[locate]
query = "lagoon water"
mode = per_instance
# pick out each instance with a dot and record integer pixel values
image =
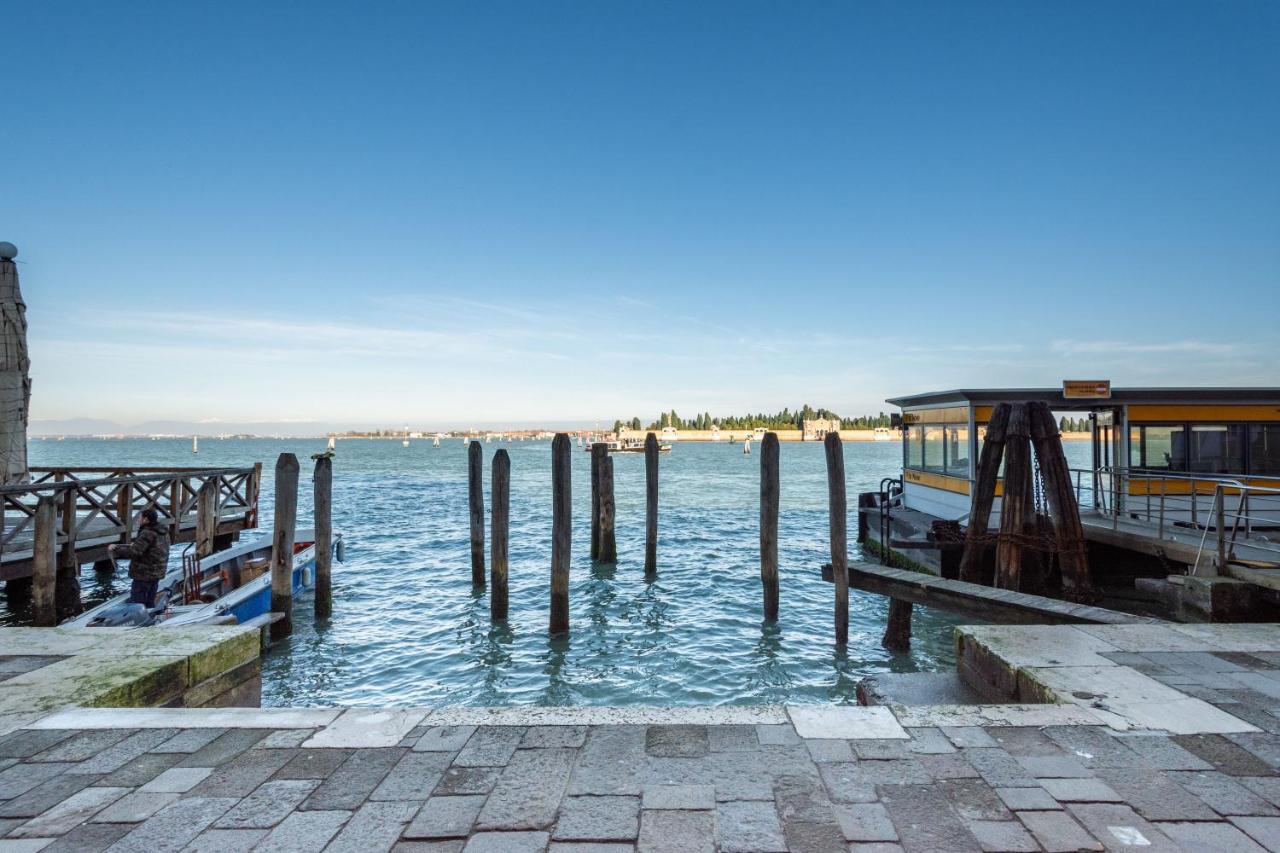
(408, 629)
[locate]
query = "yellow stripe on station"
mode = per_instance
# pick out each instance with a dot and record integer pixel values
(959, 485)
(1203, 414)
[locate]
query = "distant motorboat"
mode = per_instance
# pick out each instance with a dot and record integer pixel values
(435, 442)
(330, 445)
(883, 434)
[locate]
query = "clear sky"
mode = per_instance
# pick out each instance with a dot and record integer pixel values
(376, 213)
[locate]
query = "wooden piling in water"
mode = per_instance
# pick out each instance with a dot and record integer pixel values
(322, 481)
(206, 518)
(837, 509)
(984, 493)
(1061, 498)
(650, 505)
(769, 489)
(599, 453)
(1017, 501)
(67, 588)
(608, 514)
(286, 517)
(500, 518)
(475, 505)
(44, 565)
(897, 629)
(561, 532)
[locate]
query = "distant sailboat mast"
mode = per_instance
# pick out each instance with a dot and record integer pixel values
(195, 444)
(406, 436)
(330, 445)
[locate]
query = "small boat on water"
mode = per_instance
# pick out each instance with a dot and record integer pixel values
(195, 444)
(226, 588)
(630, 445)
(330, 446)
(883, 434)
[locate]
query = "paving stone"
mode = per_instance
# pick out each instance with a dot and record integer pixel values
(88, 838)
(1093, 747)
(285, 739)
(590, 847)
(968, 736)
(825, 751)
(351, 784)
(1119, 827)
(413, 778)
(69, 813)
(516, 804)
(490, 746)
(813, 837)
(924, 821)
(1053, 766)
(225, 747)
(1027, 799)
(1080, 790)
(141, 770)
(542, 737)
(777, 734)
(875, 847)
(45, 796)
(188, 740)
(467, 780)
(174, 826)
(452, 846)
(1220, 837)
(907, 771)
(677, 741)
(865, 822)
(177, 780)
(753, 827)
(609, 818)
(1222, 793)
(846, 783)
(679, 797)
(83, 745)
(374, 827)
(1264, 745)
(445, 817)
(999, 768)
(271, 803)
(302, 832)
(845, 721)
(1225, 756)
(313, 763)
(1002, 836)
(242, 774)
(1163, 753)
(613, 761)
(366, 728)
(1058, 832)
(134, 808)
(947, 766)
(732, 738)
(880, 748)
(803, 800)
(507, 842)
(444, 738)
(120, 754)
(973, 799)
(1156, 797)
(929, 741)
(225, 841)
(1267, 787)
(676, 832)
(20, 778)
(1264, 830)
(25, 743)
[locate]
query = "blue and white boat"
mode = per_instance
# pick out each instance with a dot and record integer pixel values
(229, 587)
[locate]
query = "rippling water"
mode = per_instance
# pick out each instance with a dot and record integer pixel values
(407, 627)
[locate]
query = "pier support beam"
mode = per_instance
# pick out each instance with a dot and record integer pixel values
(44, 565)
(206, 518)
(984, 494)
(769, 524)
(561, 532)
(475, 506)
(608, 514)
(650, 505)
(897, 629)
(500, 518)
(1063, 509)
(599, 453)
(322, 480)
(1017, 506)
(837, 508)
(67, 590)
(286, 518)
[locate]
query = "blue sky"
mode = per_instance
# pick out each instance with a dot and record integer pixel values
(379, 213)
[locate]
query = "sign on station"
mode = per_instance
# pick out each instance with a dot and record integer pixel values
(1086, 389)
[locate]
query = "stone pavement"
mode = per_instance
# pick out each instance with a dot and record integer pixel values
(799, 778)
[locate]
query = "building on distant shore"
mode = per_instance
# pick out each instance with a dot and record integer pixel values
(816, 429)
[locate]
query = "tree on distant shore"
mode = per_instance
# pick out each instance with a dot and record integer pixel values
(783, 420)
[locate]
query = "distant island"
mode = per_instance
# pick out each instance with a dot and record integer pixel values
(783, 420)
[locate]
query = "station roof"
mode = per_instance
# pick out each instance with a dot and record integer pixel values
(1119, 397)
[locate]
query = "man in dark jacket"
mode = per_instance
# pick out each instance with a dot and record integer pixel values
(148, 556)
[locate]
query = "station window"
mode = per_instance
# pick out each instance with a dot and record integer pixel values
(1158, 448)
(934, 444)
(957, 451)
(1217, 449)
(1264, 449)
(912, 445)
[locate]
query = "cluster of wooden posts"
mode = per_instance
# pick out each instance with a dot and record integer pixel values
(604, 547)
(286, 517)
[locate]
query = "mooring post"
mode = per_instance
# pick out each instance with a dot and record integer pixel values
(1063, 509)
(650, 505)
(984, 495)
(206, 518)
(1016, 504)
(500, 518)
(561, 532)
(839, 537)
(608, 514)
(475, 503)
(322, 480)
(599, 453)
(282, 544)
(897, 629)
(67, 589)
(44, 563)
(769, 524)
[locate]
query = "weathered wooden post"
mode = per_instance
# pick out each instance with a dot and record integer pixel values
(599, 453)
(839, 536)
(608, 514)
(500, 517)
(67, 589)
(44, 566)
(769, 524)
(282, 544)
(15, 367)
(206, 518)
(322, 481)
(984, 494)
(561, 532)
(475, 503)
(650, 505)
(1016, 504)
(1063, 509)
(897, 629)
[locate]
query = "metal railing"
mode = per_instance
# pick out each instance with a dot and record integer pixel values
(1228, 511)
